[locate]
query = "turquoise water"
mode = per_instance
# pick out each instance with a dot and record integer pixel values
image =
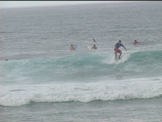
(43, 81)
(78, 66)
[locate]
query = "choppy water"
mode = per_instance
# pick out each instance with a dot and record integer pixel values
(44, 81)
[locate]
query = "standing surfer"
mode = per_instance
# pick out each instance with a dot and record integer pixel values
(117, 50)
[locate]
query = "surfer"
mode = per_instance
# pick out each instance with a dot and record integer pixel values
(94, 40)
(117, 50)
(135, 42)
(71, 47)
(94, 47)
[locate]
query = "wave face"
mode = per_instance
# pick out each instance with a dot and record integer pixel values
(82, 78)
(82, 67)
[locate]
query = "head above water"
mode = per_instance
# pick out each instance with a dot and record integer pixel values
(120, 41)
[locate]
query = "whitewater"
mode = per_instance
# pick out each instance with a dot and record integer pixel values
(91, 77)
(43, 81)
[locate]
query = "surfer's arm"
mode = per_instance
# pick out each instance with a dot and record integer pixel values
(125, 48)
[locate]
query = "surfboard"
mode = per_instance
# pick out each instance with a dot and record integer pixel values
(118, 59)
(75, 47)
(89, 47)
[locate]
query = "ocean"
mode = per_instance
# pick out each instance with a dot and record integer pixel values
(44, 81)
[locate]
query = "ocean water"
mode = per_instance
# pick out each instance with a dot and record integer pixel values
(43, 81)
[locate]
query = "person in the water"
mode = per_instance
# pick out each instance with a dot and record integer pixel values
(94, 47)
(72, 47)
(135, 42)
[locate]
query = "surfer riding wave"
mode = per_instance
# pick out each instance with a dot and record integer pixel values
(117, 50)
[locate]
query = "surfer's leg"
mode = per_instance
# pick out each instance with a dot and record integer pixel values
(115, 56)
(120, 53)
(115, 52)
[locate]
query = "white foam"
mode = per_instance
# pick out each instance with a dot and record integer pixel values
(82, 92)
(111, 59)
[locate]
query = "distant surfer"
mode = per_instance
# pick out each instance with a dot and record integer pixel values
(94, 47)
(6, 59)
(117, 50)
(72, 47)
(135, 42)
(94, 40)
